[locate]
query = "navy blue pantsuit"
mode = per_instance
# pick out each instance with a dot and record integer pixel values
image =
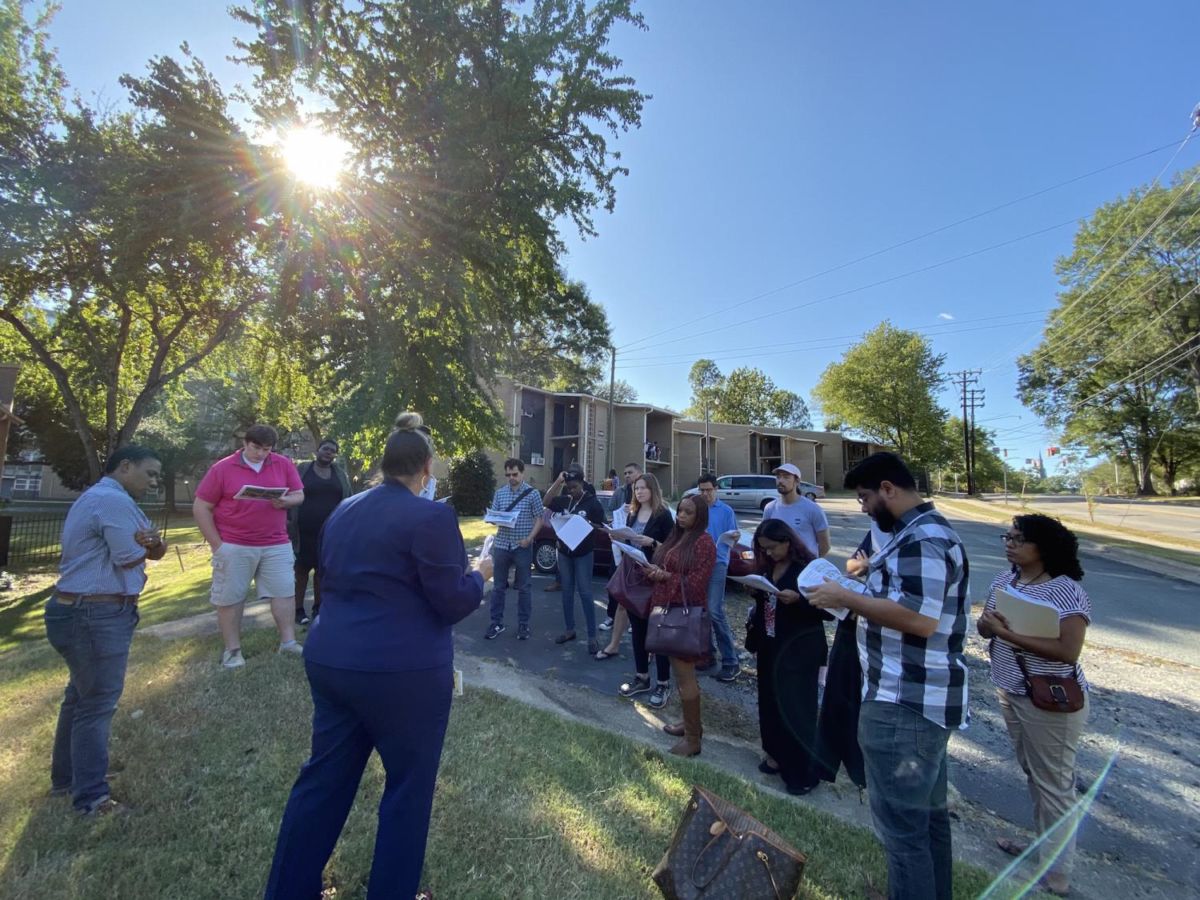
(403, 716)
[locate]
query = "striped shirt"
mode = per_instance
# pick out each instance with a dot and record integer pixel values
(97, 542)
(923, 568)
(1071, 600)
(528, 511)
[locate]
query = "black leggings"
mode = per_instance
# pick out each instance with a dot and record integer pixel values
(612, 606)
(641, 659)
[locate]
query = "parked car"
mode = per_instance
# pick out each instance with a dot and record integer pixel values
(754, 492)
(545, 551)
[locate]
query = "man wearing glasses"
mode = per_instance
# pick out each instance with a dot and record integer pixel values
(513, 548)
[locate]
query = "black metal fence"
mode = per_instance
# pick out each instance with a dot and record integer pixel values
(34, 538)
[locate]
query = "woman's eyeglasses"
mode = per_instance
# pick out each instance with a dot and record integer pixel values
(1013, 539)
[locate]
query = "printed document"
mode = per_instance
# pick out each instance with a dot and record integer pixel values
(756, 582)
(570, 529)
(635, 553)
(500, 517)
(1027, 615)
(815, 574)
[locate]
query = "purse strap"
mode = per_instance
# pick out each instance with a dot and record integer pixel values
(735, 843)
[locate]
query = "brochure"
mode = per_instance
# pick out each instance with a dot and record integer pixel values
(258, 492)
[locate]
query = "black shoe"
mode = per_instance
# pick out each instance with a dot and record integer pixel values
(494, 631)
(728, 674)
(799, 790)
(637, 686)
(522, 632)
(767, 769)
(302, 617)
(564, 637)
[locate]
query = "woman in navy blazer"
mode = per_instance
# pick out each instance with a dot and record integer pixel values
(379, 659)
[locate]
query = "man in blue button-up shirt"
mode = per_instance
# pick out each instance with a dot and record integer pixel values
(721, 521)
(91, 615)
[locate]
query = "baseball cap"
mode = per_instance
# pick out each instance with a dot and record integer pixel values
(572, 475)
(789, 468)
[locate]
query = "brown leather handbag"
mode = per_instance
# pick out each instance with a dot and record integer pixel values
(721, 851)
(684, 632)
(1051, 692)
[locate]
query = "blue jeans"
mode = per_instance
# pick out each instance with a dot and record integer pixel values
(503, 559)
(721, 632)
(575, 572)
(94, 640)
(403, 715)
(905, 756)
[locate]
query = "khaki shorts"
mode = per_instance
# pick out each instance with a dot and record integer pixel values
(234, 565)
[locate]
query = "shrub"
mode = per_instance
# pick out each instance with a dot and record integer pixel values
(472, 483)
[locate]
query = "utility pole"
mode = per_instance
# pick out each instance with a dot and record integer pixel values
(975, 401)
(612, 393)
(961, 380)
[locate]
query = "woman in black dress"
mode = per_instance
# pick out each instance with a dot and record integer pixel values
(791, 650)
(325, 486)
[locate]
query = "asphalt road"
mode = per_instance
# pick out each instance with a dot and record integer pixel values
(1141, 615)
(1176, 520)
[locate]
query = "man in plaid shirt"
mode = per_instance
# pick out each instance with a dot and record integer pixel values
(912, 624)
(514, 547)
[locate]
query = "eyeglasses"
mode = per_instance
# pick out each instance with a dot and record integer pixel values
(1014, 539)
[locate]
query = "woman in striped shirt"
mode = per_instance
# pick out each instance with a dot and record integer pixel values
(1044, 555)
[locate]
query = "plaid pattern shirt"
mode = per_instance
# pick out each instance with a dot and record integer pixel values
(923, 568)
(528, 511)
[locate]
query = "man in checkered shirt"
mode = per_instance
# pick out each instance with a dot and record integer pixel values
(513, 548)
(912, 624)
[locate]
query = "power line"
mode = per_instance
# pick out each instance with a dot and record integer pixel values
(725, 309)
(953, 326)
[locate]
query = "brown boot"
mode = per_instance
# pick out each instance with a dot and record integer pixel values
(692, 731)
(675, 729)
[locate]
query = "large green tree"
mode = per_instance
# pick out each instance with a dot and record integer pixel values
(1118, 367)
(475, 128)
(885, 389)
(126, 247)
(745, 396)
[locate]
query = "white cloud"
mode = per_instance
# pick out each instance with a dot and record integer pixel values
(946, 316)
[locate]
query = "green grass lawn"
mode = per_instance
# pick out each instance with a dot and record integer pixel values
(528, 804)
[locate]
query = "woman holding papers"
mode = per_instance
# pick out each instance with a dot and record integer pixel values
(682, 568)
(1044, 556)
(791, 651)
(648, 525)
(379, 662)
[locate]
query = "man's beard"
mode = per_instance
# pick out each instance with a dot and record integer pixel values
(884, 518)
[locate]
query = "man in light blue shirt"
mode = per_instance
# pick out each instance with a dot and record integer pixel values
(721, 521)
(91, 615)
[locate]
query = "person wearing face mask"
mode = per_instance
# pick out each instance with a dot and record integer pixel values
(380, 666)
(325, 486)
(791, 651)
(912, 624)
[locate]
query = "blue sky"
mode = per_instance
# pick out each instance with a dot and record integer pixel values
(785, 139)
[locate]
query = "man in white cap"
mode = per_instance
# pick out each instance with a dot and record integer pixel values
(806, 518)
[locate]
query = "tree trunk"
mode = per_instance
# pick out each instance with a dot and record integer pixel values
(168, 476)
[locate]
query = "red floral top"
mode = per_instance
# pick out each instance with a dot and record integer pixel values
(695, 590)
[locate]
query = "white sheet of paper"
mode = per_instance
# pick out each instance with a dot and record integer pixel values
(445, 499)
(635, 553)
(570, 529)
(500, 517)
(486, 549)
(756, 582)
(1027, 615)
(730, 537)
(258, 492)
(430, 489)
(620, 517)
(817, 571)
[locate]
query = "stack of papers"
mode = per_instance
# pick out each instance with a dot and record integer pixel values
(634, 553)
(1027, 615)
(258, 492)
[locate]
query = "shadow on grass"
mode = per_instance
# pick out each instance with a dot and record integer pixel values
(21, 620)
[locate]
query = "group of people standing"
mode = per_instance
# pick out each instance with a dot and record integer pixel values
(391, 578)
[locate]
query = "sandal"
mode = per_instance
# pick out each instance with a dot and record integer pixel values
(602, 655)
(1011, 847)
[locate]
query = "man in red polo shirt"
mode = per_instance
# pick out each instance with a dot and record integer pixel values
(249, 538)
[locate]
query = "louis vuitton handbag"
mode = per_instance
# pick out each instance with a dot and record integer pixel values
(720, 851)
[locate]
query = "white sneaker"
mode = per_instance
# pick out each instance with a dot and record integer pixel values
(292, 646)
(232, 659)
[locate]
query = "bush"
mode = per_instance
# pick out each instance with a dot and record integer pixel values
(472, 483)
